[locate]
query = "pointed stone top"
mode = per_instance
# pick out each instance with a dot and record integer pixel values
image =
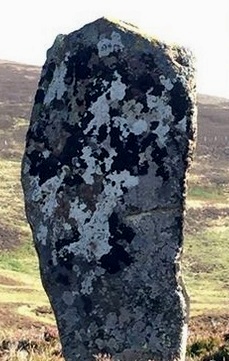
(104, 31)
(111, 21)
(104, 23)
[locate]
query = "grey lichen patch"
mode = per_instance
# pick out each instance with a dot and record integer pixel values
(110, 140)
(68, 298)
(107, 46)
(57, 86)
(87, 284)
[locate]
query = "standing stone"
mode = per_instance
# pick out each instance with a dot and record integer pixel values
(109, 143)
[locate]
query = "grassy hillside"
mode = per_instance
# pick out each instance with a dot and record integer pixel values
(21, 293)
(23, 303)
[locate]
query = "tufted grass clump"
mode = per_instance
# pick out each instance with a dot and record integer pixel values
(202, 347)
(212, 348)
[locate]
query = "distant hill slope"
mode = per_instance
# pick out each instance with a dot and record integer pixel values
(213, 122)
(18, 83)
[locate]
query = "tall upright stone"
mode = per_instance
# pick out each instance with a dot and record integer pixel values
(109, 143)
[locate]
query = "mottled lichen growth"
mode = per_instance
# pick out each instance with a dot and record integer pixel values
(109, 143)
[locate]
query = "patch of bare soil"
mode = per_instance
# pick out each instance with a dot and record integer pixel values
(43, 310)
(11, 320)
(7, 281)
(21, 289)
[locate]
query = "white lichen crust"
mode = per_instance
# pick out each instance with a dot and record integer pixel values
(110, 140)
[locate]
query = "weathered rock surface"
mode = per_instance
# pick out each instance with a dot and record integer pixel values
(109, 143)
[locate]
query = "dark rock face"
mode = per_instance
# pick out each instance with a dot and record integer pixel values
(109, 143)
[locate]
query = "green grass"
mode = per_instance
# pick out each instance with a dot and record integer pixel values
(206, 256)
(207, 193)
(12, 215)
(22, 259)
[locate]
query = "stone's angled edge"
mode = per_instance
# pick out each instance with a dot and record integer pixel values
(56, 51)
(111, 136)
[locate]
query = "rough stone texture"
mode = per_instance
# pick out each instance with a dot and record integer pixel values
(109, 143)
